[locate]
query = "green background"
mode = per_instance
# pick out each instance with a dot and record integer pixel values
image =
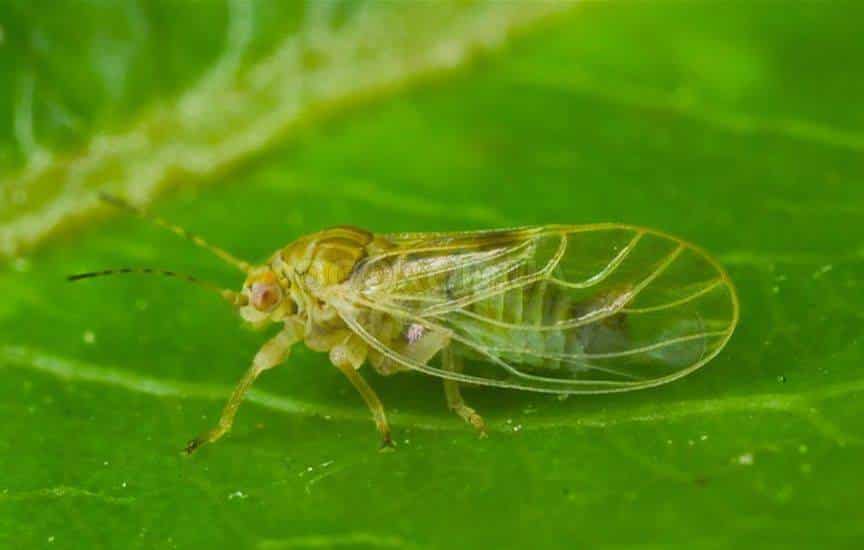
(737, 126)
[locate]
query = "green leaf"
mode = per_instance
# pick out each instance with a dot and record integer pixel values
(734, 126)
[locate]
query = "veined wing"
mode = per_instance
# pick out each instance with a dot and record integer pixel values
(565, 309)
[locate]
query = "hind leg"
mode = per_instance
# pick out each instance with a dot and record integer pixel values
(454, 395)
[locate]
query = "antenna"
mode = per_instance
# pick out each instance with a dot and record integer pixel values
(234, 298)
(225, 256)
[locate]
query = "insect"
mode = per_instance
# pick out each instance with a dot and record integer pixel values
(565, 309)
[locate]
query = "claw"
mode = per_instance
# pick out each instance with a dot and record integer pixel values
(194, 445)
(387, 445)
(481, 430)
(480, 426)
(470, 416)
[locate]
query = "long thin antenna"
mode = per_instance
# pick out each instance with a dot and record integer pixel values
(234, 298)
(225, 256)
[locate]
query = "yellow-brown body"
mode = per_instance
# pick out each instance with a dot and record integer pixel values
(557, 309)
(562, 309)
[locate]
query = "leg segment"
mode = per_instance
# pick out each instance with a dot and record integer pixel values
(348, 357)
(454, 396)
(271, 354)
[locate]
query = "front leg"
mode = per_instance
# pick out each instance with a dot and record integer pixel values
(271, 354)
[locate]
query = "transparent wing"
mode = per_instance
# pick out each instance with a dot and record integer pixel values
(564, 309)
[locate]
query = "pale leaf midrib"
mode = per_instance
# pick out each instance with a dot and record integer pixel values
(231, 114)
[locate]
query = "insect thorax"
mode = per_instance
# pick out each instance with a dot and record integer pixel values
(325, 258)
(311, 266)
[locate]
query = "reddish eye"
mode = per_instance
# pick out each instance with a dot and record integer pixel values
(265, 296)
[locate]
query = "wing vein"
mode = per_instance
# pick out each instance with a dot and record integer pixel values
(390, 354)
(491, 257)
(607, 270)
(597, 315)
(610, 355)
(681, 301)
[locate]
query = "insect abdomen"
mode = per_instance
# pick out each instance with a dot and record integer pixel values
(539, 304)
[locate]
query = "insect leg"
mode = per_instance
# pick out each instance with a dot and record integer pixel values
(271, 354)
(348, 357)
(454, 395)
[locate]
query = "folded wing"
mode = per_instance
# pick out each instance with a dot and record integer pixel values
(564, 309)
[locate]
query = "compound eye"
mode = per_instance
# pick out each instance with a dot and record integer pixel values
(265, 296)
